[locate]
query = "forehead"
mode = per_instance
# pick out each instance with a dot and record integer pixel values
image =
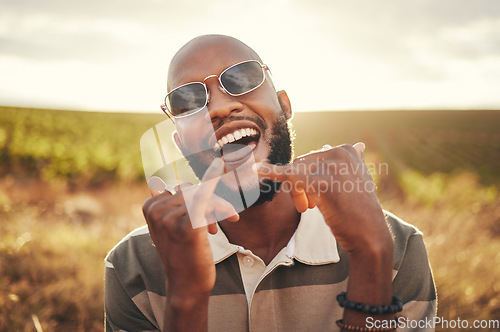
(207, 56)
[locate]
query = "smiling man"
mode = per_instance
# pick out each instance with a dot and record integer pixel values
(314, 252)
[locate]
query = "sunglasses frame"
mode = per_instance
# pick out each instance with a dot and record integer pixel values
(165, 109)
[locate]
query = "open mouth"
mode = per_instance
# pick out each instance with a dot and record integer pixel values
(237, 145)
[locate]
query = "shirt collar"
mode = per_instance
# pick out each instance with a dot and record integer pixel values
(312, 243)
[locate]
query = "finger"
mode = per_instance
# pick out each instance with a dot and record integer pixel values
(311, 204)
(300, 200)
(172, 220)
(360, 148)
(212, 228)
(156, 185)
(155, 208)
(182, 185)
(159, 203)
(204, 191)
(215, 170)
(216, 211)
(325, 147)
(223, 210)
(212, 221)
(278, 173)
(299, 197)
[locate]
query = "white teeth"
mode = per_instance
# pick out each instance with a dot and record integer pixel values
(234, 136)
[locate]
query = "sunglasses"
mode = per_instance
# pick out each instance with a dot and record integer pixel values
(236, 80)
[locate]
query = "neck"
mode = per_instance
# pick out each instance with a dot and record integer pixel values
(264, 229)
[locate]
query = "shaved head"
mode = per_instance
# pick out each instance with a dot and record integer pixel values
(205, 47)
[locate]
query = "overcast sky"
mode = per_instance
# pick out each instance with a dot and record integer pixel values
(113, 55)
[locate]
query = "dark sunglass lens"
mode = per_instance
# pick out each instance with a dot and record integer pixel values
(242, 78)
(186, 99)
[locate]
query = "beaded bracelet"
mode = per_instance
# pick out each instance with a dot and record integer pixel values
(357, 328)
(395, 307)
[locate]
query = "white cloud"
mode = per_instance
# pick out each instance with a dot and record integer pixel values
(326, 53)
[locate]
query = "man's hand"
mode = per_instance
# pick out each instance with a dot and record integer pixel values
(338, 181)
(185, 251)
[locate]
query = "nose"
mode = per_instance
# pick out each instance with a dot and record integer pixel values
(220, 104)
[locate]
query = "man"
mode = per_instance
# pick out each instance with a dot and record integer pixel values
(280, 263)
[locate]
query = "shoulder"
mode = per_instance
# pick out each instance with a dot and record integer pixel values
(412, 281)
(399, 227)
(413, 278)
(136, 243)
(134, 283)
(135, 257)
(406, 237)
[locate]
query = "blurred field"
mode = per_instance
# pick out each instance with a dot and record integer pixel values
(71, 186)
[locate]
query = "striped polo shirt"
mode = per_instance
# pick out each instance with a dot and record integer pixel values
(295, 292)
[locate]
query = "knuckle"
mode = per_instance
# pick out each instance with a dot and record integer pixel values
(178, 197)
(155, 210)
(166, 220)
(172, 222)
(344, 151)
(348, 148)
(146, 206)
(154, 213)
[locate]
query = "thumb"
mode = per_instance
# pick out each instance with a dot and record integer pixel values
(273, 172)
(360, 148)
(156, 185)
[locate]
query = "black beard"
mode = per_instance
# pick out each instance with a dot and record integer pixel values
(280, 153)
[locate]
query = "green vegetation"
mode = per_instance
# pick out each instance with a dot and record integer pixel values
(84, 148)
(424, 141)
(71, 185)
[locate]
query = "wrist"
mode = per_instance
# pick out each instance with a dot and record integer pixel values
(187, 302)
(370, 275)
(374, 253)
(370, 280)
(186, 312)
(185, 296)
(189, 283)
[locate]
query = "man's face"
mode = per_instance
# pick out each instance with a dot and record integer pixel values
(257, 113)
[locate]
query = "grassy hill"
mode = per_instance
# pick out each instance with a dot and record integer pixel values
(426, 141)
(93, 147)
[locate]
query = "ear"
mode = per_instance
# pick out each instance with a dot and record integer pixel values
(285, 103)
(177, 140)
